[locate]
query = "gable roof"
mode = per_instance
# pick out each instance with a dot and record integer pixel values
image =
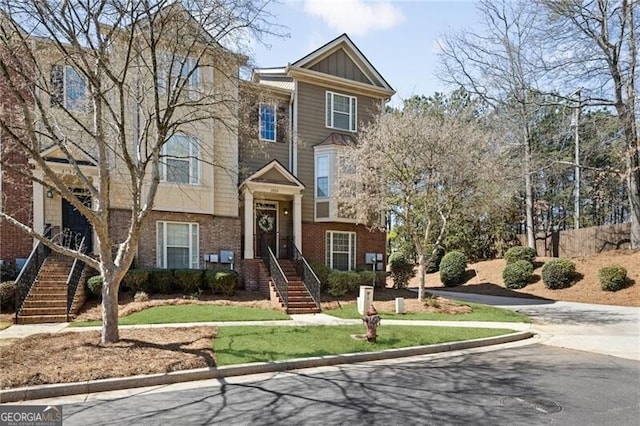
(346, 44)
(263, 176)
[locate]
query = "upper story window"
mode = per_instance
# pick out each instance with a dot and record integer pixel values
(68, 88)
(342, 112)
(322, 176)
(180, 160)
(175, 69)
(267, 122)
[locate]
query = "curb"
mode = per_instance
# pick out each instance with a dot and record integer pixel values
(120, 383)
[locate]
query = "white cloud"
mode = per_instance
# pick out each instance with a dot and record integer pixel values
(356, 17)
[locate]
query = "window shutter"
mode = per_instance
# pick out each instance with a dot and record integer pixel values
(57, 85)
(282, 121)
(354, 114)
(329, 122)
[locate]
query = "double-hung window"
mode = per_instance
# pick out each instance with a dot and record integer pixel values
(267, 122)
(341, 112)
(180, 160)
(176, 70)
(68, 88)
(341, 250)
(178, 245)
(322, 176)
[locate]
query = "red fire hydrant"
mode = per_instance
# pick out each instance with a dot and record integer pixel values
(372, 321)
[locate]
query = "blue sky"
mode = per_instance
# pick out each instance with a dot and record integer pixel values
(400, 38)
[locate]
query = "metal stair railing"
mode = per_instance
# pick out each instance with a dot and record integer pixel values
(303, 269)
(277, 275)
(29, 272)
(74, 278)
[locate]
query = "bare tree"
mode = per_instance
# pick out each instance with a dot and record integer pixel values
(106, 85)
(496, 65)
(421, 167)
(592, 43)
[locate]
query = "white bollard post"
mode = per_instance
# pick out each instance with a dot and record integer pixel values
(365, 299)
(399, 305)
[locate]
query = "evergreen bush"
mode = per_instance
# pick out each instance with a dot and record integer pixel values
(558, 273)
(520, 253)
(343, 282)
(188, 281)
(452, 268)
(8, 290)
(612, 278)
(517, 274)
(401, 269)
(94, 285)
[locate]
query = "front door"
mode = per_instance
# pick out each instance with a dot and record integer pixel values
(266, 229)
(75, 225)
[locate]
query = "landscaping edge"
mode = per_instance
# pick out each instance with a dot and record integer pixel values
(120, 383)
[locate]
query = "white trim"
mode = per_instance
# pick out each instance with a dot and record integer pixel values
(275, 121)
(353, 251)
(330, 114)
(294, 160)
(194, 252)
(193, 159)
(276, 208)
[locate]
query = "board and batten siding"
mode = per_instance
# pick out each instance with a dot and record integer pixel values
(340, 65)
(312, 130)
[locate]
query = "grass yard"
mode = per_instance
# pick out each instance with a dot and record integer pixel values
(193, 313)
(238, 345)
(478, 313)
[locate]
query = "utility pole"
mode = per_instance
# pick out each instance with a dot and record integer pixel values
(576, 128)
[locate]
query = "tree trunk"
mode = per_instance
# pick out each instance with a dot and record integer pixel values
(528, 192)
(633, 184)
(421, 277)
(110, 332)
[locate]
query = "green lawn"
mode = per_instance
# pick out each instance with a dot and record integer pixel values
(238, 345)
(193, 313)
(479, 313)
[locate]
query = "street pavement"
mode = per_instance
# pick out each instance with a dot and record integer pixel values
(602, 329)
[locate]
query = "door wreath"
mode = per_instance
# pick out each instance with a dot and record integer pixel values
(265, 222)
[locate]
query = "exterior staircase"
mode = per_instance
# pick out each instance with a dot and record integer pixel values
(300, 301)
(47, 300)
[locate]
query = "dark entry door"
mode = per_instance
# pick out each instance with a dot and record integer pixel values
(75, 225)
(266, 230)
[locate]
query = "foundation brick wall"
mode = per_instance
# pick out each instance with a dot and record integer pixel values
(314, 240)
(216, 233)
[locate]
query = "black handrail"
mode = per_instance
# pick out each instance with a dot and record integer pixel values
(74, 278)
(303, 269)
(29, 272)
(277, 275)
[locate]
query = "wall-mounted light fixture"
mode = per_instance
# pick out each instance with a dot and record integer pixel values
(49, 193)
(286, 211)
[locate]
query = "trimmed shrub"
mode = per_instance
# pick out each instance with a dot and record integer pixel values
(162, 281)
(137, 280)
(612, 278)
(8, 271)
(366, 278)
(94, 285)
(452, 268)
(322, 271)
(188, 281)
(222, 282)
(517, 274)
(141, 296)
(558, 273)
(8, 290)
(520, 253)
(433, 262)
(343, 282)
(401, 269)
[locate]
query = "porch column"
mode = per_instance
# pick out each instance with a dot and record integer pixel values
(38, 209)
(248, 224)
(297, 220)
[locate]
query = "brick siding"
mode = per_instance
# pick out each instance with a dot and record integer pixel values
(216, 233)
(314, 241)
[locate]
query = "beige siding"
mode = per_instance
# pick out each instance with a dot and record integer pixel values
(340, 65)
(312, 131)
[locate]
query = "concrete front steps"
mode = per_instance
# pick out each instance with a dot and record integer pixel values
(300, 301)
(47, 300)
